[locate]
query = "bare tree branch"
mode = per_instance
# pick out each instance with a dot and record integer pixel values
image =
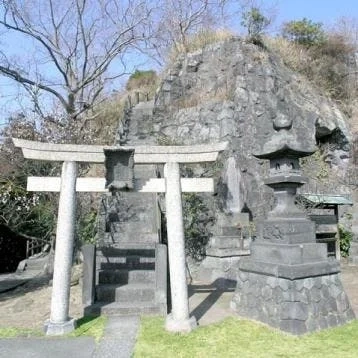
(75, 44)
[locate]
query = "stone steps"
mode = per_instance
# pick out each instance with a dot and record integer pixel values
(134, 292)
(140, 125)
(115, 248)
(125, 259)
(128, 278)
(126, 308)
(126, 281)
(122, 232)
(125, 276)
(132, 265)
(128, 249)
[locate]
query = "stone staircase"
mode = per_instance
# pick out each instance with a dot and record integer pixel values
(137, 125)
(129, 281)
(130, 266)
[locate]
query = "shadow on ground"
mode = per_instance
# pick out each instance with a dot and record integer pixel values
(211, 302)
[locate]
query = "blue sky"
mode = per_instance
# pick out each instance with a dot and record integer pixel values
(326, 11)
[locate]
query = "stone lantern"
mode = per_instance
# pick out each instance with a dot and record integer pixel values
(288, 281)
(119, 164)
(285, 178)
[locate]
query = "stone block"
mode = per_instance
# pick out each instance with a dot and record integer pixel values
(323, 309)
(219, 268)
(294, 311)
(333, 290)
(225, 242)
(315, 294)
(299, 284)
(318, 282)
(332, 305)
(88, 280)
(226, 252)
(287, 231)
(293, 326)
(315, 310)
(180, 326)
(291, 272)
(246, 286)
(312, 325)
(342, 302)
(322, 322)
(229, 225)
(59, 328)
(288, 253)
(332, 320)
(244, 276)
(266, 292)
(272, 281)
(298, 296)
(284, 284)
(277, 295)
(287, 296)
(350, 315)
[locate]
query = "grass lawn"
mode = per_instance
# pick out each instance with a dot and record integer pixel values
(19, 332)
(90, 326)
(235, 337)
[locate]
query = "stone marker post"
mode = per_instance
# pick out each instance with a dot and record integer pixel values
(59, 322)
(179, 319)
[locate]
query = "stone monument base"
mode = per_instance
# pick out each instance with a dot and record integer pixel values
(221, 272)
(226, 247)
(297, 306)
(56, 329)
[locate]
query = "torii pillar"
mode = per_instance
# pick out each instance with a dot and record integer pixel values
(59, 322)
(179, 319)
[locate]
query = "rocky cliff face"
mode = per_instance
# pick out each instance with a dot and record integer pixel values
(234, 91)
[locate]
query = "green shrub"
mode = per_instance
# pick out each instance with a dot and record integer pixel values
(142, 80)
(87, 229)
(345, 238)
(304, 32)
(196, 220)
(325, 63)
(255, 23)
(25, 212)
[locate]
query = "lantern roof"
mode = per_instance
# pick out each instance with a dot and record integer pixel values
(284, 144)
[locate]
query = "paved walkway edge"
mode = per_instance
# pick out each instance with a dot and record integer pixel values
(119, 337)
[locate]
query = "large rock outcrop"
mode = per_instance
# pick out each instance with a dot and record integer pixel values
(237, 91)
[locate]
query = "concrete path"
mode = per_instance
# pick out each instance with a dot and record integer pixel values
(118, 342)
(83, 347)
(119, 337)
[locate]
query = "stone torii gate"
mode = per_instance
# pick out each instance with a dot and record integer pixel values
(172, 185)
